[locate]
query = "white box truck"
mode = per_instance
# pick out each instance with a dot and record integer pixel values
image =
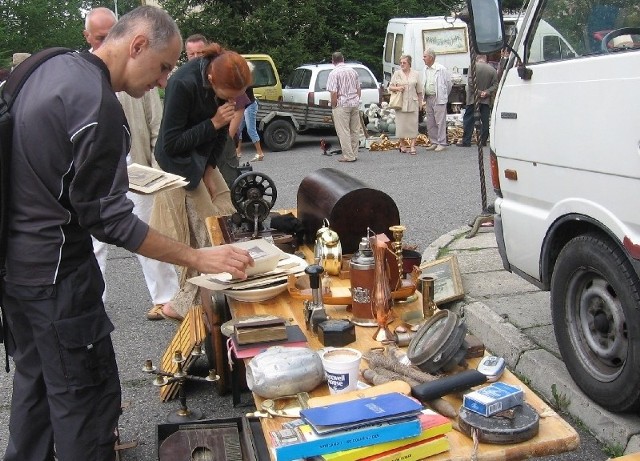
(565, 161)
(447, 36)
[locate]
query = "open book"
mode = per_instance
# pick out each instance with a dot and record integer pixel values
(147, 180)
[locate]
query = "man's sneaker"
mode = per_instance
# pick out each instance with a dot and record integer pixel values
(431, 147)
(439, 148)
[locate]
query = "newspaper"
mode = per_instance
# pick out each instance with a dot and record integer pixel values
(147, 180)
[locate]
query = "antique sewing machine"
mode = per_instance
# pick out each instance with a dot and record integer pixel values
(253, 195)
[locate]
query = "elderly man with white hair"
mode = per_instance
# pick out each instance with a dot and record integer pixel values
(437, 86)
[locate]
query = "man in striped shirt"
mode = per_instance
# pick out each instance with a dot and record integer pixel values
(344, 86)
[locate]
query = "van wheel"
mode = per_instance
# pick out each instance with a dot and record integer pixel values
(279, 135)
(595, 305)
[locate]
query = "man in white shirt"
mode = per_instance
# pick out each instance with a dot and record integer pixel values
(437, 86)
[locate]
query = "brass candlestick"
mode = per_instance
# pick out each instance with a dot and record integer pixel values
(183, 414)
(398, 233)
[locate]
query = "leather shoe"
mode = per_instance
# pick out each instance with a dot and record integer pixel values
(462, 144)
(347, 160)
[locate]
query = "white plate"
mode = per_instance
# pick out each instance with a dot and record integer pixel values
(256, 295)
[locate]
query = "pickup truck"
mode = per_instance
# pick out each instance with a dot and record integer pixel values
(280, 122)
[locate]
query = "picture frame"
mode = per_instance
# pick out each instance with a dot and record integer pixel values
(447, 285)
(446, 41)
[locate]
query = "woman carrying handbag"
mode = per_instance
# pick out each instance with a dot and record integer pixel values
(407, 83)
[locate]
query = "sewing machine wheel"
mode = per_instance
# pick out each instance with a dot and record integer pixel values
(253, 195)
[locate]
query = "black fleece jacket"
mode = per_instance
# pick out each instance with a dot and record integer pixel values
(188, 141)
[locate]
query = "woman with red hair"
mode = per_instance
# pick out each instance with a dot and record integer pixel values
(199, 104)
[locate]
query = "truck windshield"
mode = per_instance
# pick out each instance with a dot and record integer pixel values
(567, 29)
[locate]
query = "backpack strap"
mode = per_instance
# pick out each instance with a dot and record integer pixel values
(21, 73)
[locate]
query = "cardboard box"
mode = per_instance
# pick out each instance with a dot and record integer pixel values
(493, 399)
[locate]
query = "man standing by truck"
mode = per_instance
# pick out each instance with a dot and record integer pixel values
(486, 82)
(344, 86)
(437, 85)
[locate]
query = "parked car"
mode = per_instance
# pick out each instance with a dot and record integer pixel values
(308, 85)
(266, 80)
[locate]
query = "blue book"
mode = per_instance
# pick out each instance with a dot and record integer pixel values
(302, 441)
(359, 412)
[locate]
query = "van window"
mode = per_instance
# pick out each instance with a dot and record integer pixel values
(388, 47)
(558, 35)
(397, 49)
(300, 78)
(263, 74)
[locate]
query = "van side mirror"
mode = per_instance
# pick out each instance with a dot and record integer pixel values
(485, 25)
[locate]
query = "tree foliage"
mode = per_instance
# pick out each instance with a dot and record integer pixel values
(291, 31)
(297, 31)
(27, 26)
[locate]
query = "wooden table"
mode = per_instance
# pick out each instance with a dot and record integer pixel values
(555, 434)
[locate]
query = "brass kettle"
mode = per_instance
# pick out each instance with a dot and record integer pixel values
(328, 249)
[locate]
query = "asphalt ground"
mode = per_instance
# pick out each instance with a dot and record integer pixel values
(435, 193)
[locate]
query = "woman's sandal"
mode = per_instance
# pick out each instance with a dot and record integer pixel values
(257, 158)
(412, 152)
(173, 315)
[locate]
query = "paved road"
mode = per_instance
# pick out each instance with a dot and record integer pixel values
(435, 193)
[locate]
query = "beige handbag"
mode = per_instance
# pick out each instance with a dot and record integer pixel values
(395, 100)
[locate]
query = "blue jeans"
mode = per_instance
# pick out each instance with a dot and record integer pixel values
(249, 120)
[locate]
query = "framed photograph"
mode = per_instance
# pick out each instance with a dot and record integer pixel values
(446, 41)
(447, 285)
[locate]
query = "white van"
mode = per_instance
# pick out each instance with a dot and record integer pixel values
(565, 166)
(447, 36)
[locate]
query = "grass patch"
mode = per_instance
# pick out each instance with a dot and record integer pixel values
(526, 381)
(613, 451)
(561, 401)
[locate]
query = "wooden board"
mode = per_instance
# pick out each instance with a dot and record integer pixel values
(191, 332)
(555, 434)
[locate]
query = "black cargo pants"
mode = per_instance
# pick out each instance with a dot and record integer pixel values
(66, 388)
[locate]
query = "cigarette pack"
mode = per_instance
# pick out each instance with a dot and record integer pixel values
(493, 399)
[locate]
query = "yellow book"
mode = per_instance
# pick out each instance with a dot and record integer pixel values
(417, 450)
(432, 423)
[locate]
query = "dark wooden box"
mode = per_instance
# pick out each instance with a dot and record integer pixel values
(349, 205)
(252, 442)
